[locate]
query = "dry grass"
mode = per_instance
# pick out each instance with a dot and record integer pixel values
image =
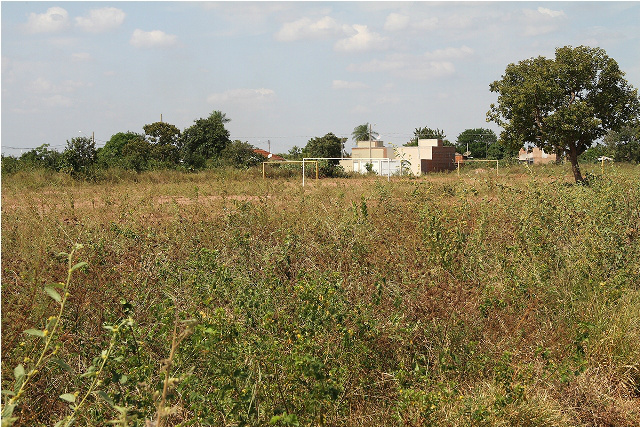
(444, 300)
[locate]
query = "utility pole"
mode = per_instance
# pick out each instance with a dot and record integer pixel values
(369, 142)
(269, 145)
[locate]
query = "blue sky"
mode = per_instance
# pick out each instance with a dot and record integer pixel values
(281, 71)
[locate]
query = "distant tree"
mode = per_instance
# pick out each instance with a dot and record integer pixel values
(162, 133)
(137, 154)
(563, 105)
(165, 141)
(240, 155)
(41, 157)
(112, 153)
(478, 140)
(624, 145)
(79, 155)
(497, 151)
(295, 153)
(10, 164)
(205, 139)
(219, 115)
(425, 133)
(593, 153)
(363, 133)
(326, 146)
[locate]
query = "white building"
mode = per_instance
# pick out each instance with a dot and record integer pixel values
(429, 156)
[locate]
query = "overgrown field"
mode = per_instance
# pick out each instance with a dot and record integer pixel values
(451, 301)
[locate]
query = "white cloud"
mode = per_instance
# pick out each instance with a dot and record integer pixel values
(361, 40)
(56, 101)
(241, 96)
(449, 53)
(81, 57)
(100, 20)
(150, 39)
(360, 109)
(341, 84)
(541, 21)
(44, 86)
(54, 19)
(551, 13)
(418, 67)
(396, 22)
(305, 28)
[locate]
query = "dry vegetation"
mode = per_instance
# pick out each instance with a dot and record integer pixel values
(445, 300)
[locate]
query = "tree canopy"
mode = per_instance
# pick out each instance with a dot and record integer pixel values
(624, 145)
(563, 105)
(79, 155)
(425, 133)
(363, 132)
(477, 141)
(326, 146)
(205, 139)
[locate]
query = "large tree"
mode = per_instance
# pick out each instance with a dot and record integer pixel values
(564, 104)
(205, 139)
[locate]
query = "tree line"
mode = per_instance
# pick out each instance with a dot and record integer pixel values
(563, 106)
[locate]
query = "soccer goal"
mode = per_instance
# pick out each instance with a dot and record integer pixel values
(288, 162)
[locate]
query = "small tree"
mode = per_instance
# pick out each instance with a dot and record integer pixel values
(240, 155)
(79, 155)
(295, 153)
(563, 105)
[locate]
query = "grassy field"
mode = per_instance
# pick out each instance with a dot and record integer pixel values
(220, 298)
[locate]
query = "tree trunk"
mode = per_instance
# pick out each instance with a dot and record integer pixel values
(575, 168)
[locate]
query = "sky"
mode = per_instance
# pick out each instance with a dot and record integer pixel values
(283, 72)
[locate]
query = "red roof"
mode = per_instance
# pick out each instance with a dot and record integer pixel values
(266, 154)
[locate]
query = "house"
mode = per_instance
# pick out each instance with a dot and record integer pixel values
(269, 156)
(536, 156)
(430, 155)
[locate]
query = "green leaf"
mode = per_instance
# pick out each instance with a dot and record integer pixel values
(7, 413)
(68, 397)
(36, 332)
(105, 397)
(8, 393)
(78, 265)
(61, 363)
(90, 371)
(52, 293)
(18, 372)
